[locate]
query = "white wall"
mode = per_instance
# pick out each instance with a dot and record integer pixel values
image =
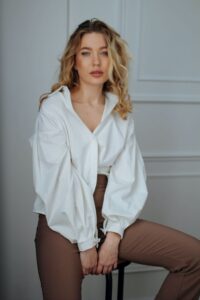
(32, 39)
(165, 85)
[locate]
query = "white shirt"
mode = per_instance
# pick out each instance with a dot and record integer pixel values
(67, 156)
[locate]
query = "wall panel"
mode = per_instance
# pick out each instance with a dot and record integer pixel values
(166, 53)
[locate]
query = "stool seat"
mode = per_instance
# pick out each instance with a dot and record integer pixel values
(120, 289)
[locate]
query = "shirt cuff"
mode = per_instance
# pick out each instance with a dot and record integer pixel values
(113, 227)
(83, 246)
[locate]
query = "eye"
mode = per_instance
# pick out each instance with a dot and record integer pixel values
(85, 53)
(104, 53)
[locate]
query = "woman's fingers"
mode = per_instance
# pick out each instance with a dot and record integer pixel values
(93, 270)
(101, 269)
(110, 269)
(107, 269)
(87, 271)
(84, 271)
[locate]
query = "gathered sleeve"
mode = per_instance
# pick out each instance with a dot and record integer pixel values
(61, 192)
(126, 191)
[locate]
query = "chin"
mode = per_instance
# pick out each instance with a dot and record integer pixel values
(96, 82)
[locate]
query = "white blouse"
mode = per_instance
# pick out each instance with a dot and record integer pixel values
(67, 156)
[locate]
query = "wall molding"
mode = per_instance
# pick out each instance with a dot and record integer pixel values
(172, 165)
(138, 39)
(68, 18)
(157, 157)
(175, 79)
(122, 18)
(155, 78)
(171, 175)
(165, 99)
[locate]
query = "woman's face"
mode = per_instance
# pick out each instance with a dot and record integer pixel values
(92, 61)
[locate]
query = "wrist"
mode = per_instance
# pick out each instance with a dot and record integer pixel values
(114, 236)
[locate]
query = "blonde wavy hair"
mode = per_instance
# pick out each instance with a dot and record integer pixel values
(117, 82)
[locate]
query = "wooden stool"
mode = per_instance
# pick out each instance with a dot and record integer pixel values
(120, 289)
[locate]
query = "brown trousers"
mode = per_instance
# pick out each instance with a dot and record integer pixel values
(144, 242)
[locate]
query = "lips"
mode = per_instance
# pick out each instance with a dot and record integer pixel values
(96, 73)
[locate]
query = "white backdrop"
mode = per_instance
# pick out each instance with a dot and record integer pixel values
(165, 85)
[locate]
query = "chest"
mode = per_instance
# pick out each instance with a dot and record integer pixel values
(101, 147)
(90, 115)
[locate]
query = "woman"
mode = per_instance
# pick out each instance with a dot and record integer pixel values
(90, 179)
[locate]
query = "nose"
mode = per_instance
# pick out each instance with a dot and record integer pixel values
(96, 60)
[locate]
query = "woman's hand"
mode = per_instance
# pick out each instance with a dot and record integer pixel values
(108, 253)
(89, 261)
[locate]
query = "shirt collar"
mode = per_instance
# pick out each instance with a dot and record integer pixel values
(111, 101)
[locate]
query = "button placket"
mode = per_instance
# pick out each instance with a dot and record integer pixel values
(94, 163)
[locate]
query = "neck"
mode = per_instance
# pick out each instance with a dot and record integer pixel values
(90, 94)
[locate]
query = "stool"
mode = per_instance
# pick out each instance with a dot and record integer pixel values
(120, 288)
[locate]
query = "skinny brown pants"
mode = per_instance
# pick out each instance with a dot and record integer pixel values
(144, 242)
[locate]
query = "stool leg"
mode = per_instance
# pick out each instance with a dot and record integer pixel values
(108, 286)
(120, 288)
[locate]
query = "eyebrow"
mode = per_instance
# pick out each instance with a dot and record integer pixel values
(88, 48)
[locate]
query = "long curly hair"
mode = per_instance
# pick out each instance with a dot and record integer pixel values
(119, 56)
